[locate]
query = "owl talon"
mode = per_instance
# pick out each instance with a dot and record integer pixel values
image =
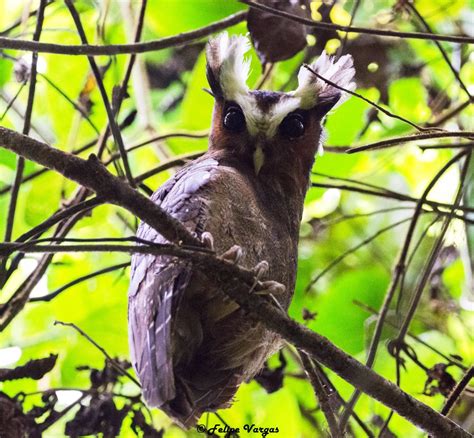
(233, 254)
(208, 240)
(271, 288)
(261, 269)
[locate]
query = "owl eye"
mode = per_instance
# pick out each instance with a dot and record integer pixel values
(292, 126)
(234, 119)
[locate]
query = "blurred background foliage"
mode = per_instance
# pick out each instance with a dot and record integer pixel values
(408, 76)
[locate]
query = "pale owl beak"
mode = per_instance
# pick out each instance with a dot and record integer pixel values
(258, 159)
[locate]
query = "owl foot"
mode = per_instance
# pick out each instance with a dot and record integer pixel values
(261, 269)
(234, 254)
(208, 240)
(271, 288)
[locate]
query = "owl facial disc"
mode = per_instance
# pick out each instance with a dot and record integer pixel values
(264, 111)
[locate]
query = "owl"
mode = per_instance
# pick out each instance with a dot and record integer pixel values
(191, 346)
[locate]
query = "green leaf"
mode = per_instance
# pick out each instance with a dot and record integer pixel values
(338, 315)
(169, 17)
(408, 98)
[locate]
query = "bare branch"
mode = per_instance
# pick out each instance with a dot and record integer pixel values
(100, 84)
(397, 278)
(457, 391)
(239, 281)
(55, 293)
(20, 167)
(117, 49)
(370, 102)
(384, 144)
(321, 395)
(94, 176)
(354, 29)
(112, 361)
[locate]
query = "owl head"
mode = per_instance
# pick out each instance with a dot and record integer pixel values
(270, 130)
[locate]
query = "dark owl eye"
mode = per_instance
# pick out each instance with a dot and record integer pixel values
(292, 126)
(234, 119)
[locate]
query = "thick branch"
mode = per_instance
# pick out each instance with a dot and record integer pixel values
(94, 176)
(261, 310)
(238, 282)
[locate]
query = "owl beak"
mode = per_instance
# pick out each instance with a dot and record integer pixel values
(258, 159)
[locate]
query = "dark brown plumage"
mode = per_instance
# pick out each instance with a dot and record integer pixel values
(191, 346)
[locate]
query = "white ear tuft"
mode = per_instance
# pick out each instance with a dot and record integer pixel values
(312, 89)
(227, 69)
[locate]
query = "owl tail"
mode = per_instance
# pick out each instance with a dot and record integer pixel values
(191, 402)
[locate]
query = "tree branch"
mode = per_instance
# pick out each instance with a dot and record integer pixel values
(92, 174)
(26, 129)
(117, 49)
(238, 281)
(354, 29)
(384, 144)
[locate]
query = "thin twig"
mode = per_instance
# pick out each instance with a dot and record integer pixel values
(345, 217)
(413, 9)
(100, 84)
(447, 146)
(398, 273)
(58, 415)
(321, 395)
(457, 391)
(351, 250)
(55, 293)
(355, 8)
(59, 216)
(370, 102)
(374, 312)
(449, 114)
(384, 144)
(20, 167)
(399, 197)
(74, 104)
(12, 100)
(433, 256)
(20, 20)
(112, 361)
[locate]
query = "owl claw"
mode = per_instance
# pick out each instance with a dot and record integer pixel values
(271, 288)
(261, 269)
(208, 240)
(233, 254)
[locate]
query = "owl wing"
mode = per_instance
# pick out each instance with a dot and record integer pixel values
(157, 282)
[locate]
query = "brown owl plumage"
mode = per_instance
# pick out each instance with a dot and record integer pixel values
(190, 345)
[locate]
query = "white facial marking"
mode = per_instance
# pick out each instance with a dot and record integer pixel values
(234, 67)
(265, 123)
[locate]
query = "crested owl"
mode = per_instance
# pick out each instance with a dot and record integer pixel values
(191, 346)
